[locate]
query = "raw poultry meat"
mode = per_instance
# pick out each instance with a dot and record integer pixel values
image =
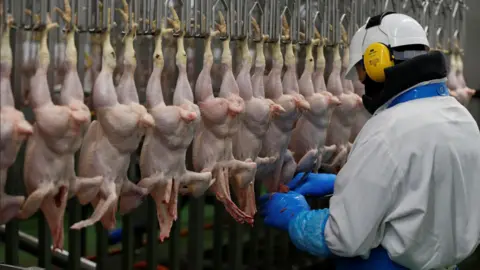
(14, 128)
(110, 140)
(48, 167)
(93, 64)
(72, 96)
(257, 80)
(277, 138)
(456, 81)
(452, 80)
(308, 137)
(319, 73)
(247, 142)
(343, 116)
(170, 70)
(183, 97)
(362, 114)
(162, 161)
(29, 58)
(212, 146)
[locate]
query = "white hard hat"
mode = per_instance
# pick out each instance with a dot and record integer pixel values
(393, 29)
(356, 53)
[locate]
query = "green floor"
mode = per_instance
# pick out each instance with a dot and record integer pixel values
(30, 227)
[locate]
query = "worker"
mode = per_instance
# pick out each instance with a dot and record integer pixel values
(408, 196)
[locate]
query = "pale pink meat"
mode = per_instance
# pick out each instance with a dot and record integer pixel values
(212, 147)
(247, 142)
(14, 129)
(110, 140)
(49, 159)
(343, 116)
(456, 81)
(162, 160)
(277, 137)
(308, 137)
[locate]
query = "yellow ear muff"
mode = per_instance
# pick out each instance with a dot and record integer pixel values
(376, 58)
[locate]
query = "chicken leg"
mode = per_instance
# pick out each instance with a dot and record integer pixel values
(165, 175)
(49, 154)
(14, 128)
(111, 139)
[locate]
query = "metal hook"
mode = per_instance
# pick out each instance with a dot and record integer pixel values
(313, 25)
(166, 6)
(250, 14)
(333, 22)
(426, 4)
(385, 5)
(241, 16)
(279, 22)
(353, 18)
(6, 10)
(338, 33)
(227, 19)
(437, 37)
(308, 26)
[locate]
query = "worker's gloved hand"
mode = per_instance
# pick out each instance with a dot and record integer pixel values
(279, 209)
(315, 184)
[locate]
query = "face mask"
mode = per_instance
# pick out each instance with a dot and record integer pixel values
(372, 91)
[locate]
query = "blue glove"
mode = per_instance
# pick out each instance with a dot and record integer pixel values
(279, 208)
(315, 184)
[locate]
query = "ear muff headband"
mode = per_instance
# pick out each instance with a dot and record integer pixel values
(376, 58)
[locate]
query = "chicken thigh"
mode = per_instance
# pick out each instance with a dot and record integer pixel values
(48, 167)
(212, 147)
(14, 128)
(112, 138)
(308, 137)
(247, 142)
(162, 161)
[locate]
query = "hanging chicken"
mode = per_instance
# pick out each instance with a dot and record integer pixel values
(247, 142)
(48, 167)
(455, 80)
(164, 150)
(308, 137)
(343, 116)
(212, 146)
(114, 136)
(14, 129)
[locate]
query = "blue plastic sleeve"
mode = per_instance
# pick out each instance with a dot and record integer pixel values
(307, 232)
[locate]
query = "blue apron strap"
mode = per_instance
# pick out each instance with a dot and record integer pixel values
(424, 91)
(378, 259)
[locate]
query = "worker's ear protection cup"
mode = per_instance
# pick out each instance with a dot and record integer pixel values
(376, 58)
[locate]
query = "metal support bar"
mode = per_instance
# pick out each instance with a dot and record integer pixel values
(32, 246)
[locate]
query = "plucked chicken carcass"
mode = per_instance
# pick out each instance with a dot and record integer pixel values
(456, 81)
(461, 80)
(162, 161)
(247, 142)
(308, 137)
(14, 128)
(48, 167)
(343, 116)
(29, 58)
(110, 140)
(277, 138)
(72, 96)
(212, 147)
